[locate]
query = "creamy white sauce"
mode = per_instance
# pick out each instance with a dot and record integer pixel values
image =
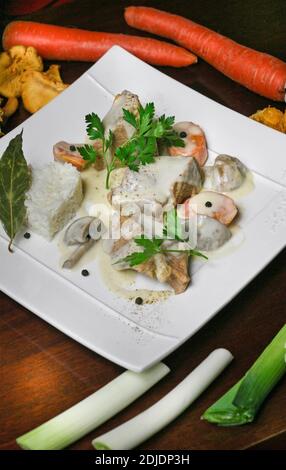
(66, 251)
(233, 244)
(246, 187)
(96, 203)
(154, 182)
(121, 283)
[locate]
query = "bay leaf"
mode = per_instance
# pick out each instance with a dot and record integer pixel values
(14, 183)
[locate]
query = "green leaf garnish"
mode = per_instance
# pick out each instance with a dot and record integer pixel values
(95, 128)
(127, 155)
(88, 153)
(146, 116)
(15, 180)
(95, 131)
(141, 148)
(151, 247)
(129, 117)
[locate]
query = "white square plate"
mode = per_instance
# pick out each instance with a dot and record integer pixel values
(84, 308)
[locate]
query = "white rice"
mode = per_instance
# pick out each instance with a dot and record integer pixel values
(53, 199)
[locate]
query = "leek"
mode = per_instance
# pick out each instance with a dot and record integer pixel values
(141, 427)
(80, 419)
(242, 402)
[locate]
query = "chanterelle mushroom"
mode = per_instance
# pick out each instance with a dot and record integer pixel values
(13, 64)
(7, 110)
(38, 88)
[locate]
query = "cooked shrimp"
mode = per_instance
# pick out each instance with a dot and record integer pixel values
(195, 142)
(68, 153)
(214, 205)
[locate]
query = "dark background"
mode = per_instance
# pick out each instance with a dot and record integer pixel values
(260, 24)
(43, 372)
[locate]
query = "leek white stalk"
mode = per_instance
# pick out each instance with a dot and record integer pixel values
(80, 419)
(141, 427)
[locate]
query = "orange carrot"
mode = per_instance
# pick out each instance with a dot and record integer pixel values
(62, 43)
(260, 72)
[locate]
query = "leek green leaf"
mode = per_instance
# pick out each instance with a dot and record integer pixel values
(241, 403)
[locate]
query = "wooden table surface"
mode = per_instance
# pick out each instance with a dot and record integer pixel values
(43, 372)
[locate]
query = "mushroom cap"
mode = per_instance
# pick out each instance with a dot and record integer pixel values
(78, 231)
(96, 229)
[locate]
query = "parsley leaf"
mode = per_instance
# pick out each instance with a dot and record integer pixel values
(148, 243)
(147, 149)
(134, 259)
(130, 117)
(127, 155)
(146, 116)
(95, 128)
(95, 131)
(153, 246)
(88, 153)
(140, 149)
(108, 141)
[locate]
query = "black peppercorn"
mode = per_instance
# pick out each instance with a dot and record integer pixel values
(208, 204)
(183, 134)
(139, 300)
(72, 148)
(85, 272)
(27, 235)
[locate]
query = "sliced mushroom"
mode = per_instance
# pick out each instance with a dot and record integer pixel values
(78, 231)
(78, 253)
(96, 229)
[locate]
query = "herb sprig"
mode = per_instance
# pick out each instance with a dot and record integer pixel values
(151, 247)
(95, 131)
(140, 149)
